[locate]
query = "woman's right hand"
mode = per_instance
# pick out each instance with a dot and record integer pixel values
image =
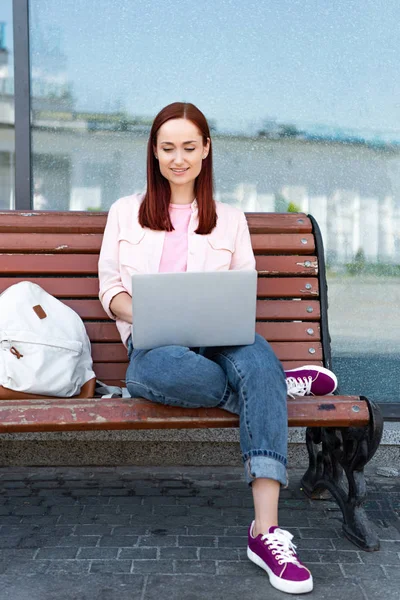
(121, 307)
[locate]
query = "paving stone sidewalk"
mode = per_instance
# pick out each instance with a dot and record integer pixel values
(177, 533)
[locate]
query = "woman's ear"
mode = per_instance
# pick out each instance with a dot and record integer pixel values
(206, 148)
(155, 152)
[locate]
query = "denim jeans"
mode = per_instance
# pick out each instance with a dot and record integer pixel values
(245, 380)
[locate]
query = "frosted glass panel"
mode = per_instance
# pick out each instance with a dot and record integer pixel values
(303, 102)
(7, 138)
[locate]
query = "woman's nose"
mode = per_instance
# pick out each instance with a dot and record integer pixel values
(178, 159)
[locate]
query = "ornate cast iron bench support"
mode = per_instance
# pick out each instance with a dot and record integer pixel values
(337, 457)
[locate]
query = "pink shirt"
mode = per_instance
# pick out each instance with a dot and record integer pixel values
(175, 249)
(128, 248)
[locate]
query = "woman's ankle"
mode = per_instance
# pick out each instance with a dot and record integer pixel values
(262, 527)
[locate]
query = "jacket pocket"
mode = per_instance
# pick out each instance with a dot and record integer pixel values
(131, 247)
(220, 250)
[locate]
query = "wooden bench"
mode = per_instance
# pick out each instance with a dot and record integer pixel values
(59, 251)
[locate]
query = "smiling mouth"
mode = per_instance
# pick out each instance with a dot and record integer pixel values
(179, 170)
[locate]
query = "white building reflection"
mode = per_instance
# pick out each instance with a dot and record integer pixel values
(350, 181)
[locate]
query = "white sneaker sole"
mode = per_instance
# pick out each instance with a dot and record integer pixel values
(320, 370)
(290, 587)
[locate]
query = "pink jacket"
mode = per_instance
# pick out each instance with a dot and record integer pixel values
(128, 248)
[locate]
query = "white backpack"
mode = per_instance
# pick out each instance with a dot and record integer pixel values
(44, 347)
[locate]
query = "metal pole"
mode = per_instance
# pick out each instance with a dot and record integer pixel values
(22, 100)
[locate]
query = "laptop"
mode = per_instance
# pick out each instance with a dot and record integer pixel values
(216, 308)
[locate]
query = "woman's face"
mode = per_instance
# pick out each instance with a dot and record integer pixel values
(180, 151)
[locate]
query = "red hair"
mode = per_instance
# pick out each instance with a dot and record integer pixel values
(153, 212)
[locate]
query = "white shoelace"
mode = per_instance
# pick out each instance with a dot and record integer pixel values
(280, 543)
(300, 386)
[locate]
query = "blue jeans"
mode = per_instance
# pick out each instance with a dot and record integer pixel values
(245, 380)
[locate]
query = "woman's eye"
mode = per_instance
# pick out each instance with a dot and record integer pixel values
(190, 149)
(167, 149)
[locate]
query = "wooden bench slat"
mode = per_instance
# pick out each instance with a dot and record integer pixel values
(287, 265)
(47, 264)
(75, 243)
(86, 264)
(117, 371)
(283, 242)
(86, 222)
(86, 287)
(289, 331)
(116, 352)
(136, 413)
(60, 287)
(275, 310)
(295, 310)
(279, 223)
(60, 243)
(272, 331)
(290, 287)
(53, 222)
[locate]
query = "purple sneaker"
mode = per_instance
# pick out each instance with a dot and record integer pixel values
(310, 380)
(275, 553)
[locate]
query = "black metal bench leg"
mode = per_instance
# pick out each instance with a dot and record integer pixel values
(338, 467)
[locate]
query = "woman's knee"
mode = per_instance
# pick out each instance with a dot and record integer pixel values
(146, 367)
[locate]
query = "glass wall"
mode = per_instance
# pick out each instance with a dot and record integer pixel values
(7, 138)
(302, 97)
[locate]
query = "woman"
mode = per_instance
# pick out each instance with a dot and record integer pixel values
(177, 226)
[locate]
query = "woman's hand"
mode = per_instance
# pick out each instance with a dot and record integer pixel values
(121, 307)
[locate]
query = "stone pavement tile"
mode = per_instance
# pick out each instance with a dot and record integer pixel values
(133, 501)
(314, 544)
(207, 530)
(99, 518)
(10, 541)
(317, 533)
(35, 540)
(15, 567)
(126, 529)
(77, 567)
(137, 510)
(170, 510)
(69, 587)
(195, 566)
(191, 587)
(392, 546)
(382, 557)
(168, 529)
(339, 556)
(159, 540)
(236, 530)
(243, 568)
(111, 566)
(97, 553)
(153, 566)
(378, 590)
(118, 541)
(392, 573)
(364, 571)
(78, 540)
(186, 553)
(93, 529)
(139, 553)
(29, 530)
(197, 540)
(232, 541)
(326, 572)
(390, 532)
(219, 553)
(56, 553)
(17, 553)
(11, 520)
